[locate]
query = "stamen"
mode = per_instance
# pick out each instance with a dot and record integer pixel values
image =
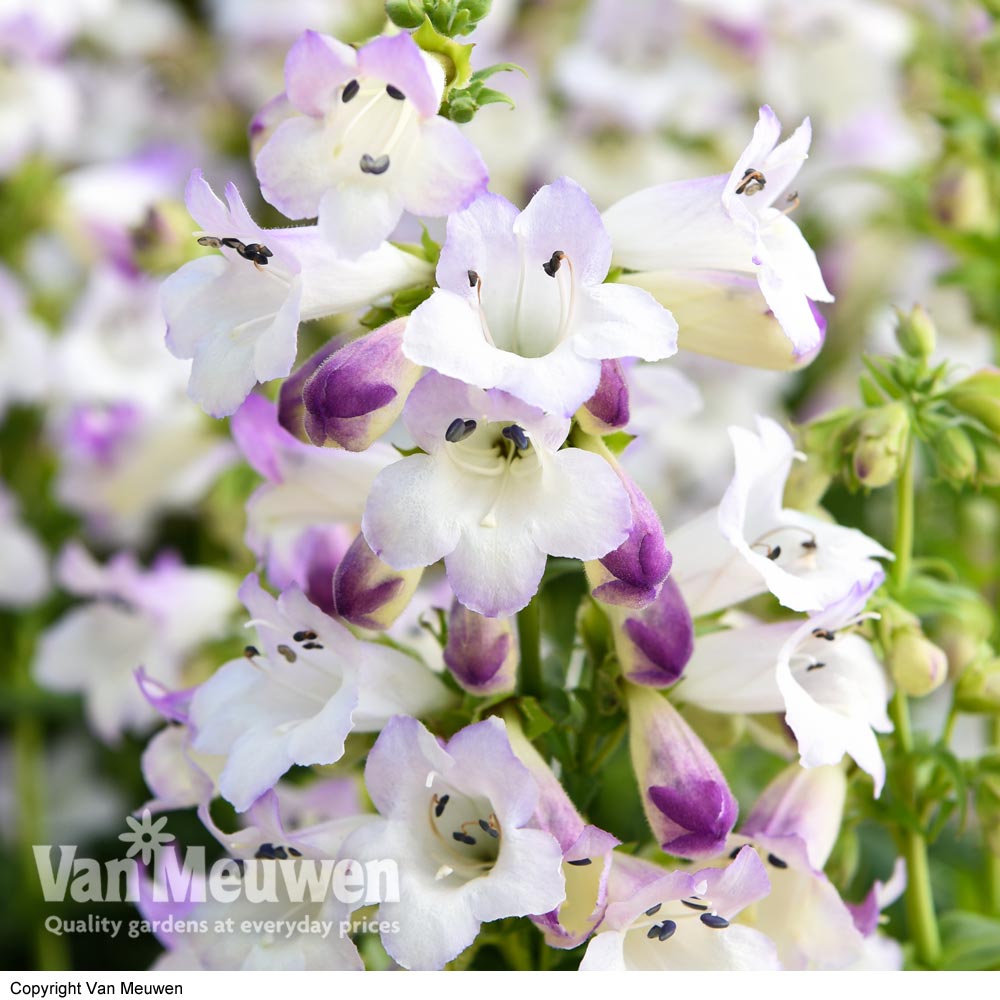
(653, 910)
(515, 433)
(810, 543)
(250, 652)
(774, 553)
(714, 921)
(791, 203)
(256, 252)
(287, 653)
(815, 666)
(350, 91)
(464, 838)
(693, 906)
(394, 92)
(752, 182)
(312, 645)
(439, 804)
(459, 429)
(773, 859)
(824, 633)
(486, 827)
(265, 851)
(374, 165)
(304, 636)
(734, 852)
(581, 862)
(653, 932)
(474, 280)
(294, 853)
(210, 241)
(667, 929)
(552, 264)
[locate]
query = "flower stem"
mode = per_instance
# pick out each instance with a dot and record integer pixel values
(529, 634)
(993, 858)
(919, 895)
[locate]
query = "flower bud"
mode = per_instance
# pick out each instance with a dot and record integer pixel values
(987, 461)
(978, 688)
(955, 454)
(481, 652)
(607, 410)
(369, 593)
(655, 643)
(356, 395)
(291, 408)
(915, 332)
(881, 440)
(918, 667)
(686, 799)
(632, 574)
(462, 108)
(405, 13)
(979, 396)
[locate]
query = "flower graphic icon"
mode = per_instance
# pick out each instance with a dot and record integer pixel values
(145, 836)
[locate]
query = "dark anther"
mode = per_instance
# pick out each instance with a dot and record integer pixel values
(824, 633)
(714, 921)
(281, 854)
(486, 828)
(294, 853)
(515, 433)
(394, 92)
(773, 859)
(440, 804)
(350, 91)
(266, 851)
(693, 906)
(773, 554)
(210, 241)
(581, 862)
(752, 182)
(256, 252)
(653, 932)
(463, 838)
(815, 666)
(250, 652)
(312, 645)
(734, 852)
(552, 264)
(374, 165)
(305, 636)
(810, 543)
(459, 429)
(667, 929)
(473, 278)
(288, 654)
(654, 909)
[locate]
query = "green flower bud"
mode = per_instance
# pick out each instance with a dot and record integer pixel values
(978, 688)
(462, 108)
(987, 461)
(405, 13)
(477, 9)
(806, 483)
(917, 666)
(955, 454)
(979, 397)
(915, 332)
(881, 439)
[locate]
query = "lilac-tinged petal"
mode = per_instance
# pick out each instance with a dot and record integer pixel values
(396, 59)
(291, 408)
(448, 175)
(204, 205)
(287, 167)
(655, 644)
(357, 217)
(255, 430)
(481, 653)
(368, 593)
(316, 66)
(608, 409)
(617, 320)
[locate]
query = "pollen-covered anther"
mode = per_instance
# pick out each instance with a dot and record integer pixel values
(375, 165)
(517, 434)
(459, 429)
(752, 182)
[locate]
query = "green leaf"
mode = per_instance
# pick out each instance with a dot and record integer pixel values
(487, 96)
(536, 719)
(505, 67)
(455, 58)
(971, 942)
(619, 441)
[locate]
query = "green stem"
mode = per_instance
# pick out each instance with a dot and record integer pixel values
(529, 634)
(919, 895)
(992, 858)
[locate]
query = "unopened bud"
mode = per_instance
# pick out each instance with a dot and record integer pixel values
(955, 454)
(608, 409)
(369, 593)
(481, 652)
(915, 332)
(881, 440)
(978, 689)
(462, 108)
(356, 395)
(917, 666)
(979, 397)
(405, 13)
(987, 461)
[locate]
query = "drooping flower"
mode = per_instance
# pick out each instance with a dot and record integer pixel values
(681, 920)
(152, 618)
(492, 495)
(294, 698)
(684, 794)
(455, 818)
(703, 243)
(236, 313)
(824, 676)
(751, 542)
(522, 304)
(366, 143)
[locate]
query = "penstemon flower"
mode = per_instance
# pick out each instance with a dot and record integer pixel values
(365, 143)
(522, 304)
